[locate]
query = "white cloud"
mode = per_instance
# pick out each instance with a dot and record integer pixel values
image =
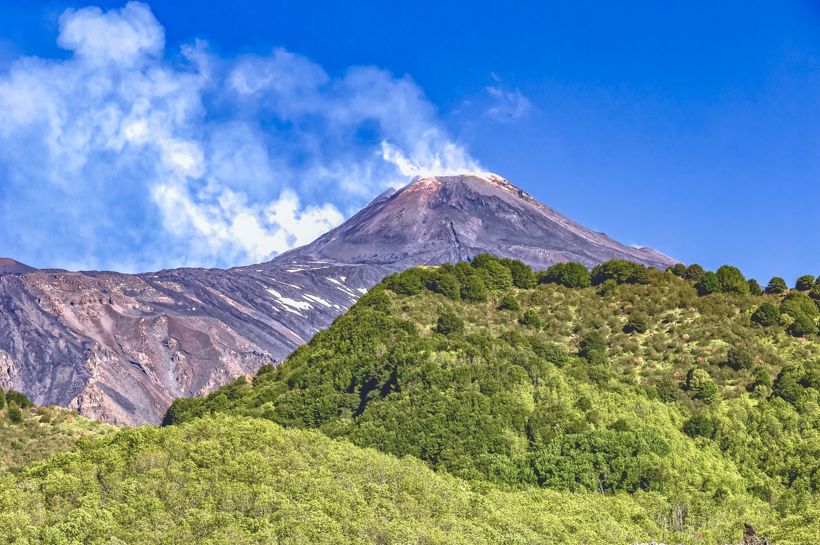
(117, 156)
(508, 105)
(122, 36)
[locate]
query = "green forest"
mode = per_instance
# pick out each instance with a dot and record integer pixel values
(480, 402)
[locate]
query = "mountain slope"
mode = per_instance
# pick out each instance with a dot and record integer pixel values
(121, 347)
(642, 386)
(444, 219)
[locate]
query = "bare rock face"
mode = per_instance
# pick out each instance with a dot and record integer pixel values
(121, 347)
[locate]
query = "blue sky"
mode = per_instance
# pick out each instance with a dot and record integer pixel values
(233, 132)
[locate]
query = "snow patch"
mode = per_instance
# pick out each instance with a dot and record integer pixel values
(291, 305)
(317, 299)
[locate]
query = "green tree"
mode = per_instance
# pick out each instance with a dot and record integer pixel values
(701, 385)
(678, 269)
(754, 287)
(766, 315)
(694, 273)
(802, 326)
(496, 276)
(731, 280)
(699, 425)
(621, 271)
(776, 285)
(762, 382)
(444, 282)
(804, 283)
(405, 283)
(708, 284)
(18, 398)
(473, 289)
(787, 384)
(522, 274)
(449, 323)
(591, 342)
(571, 275)
(797, 303)
(667, 390)
(740, 357)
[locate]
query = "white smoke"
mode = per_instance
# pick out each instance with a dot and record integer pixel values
(127, 156)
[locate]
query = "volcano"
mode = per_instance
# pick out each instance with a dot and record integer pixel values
(121, 347)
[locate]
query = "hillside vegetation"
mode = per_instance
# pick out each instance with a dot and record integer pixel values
(29, 433)
(235, 480)
(693, 386)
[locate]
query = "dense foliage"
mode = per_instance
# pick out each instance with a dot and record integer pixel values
(635, 384)
(236, 481)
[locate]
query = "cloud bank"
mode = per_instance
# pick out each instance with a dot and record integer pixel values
(129, 157)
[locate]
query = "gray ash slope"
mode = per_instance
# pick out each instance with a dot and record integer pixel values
(452, 218)
(121, 347)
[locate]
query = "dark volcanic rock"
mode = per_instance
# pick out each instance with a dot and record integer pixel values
(121, 347)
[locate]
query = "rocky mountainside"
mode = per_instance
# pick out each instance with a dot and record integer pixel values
(452, 218)
(121, 347)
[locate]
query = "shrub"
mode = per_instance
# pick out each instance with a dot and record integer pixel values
(804, 283)
(708, 284)
(449, 323)
(636, 324)
(607, 287)
(776, 285)
(18, 398)
(15, 413)
(621, 271)
(731, 280)
(571, 275)
(531, 319)
(473, 289)
(754, 287)
(699, 425)
(2, 399)
(508, 302)
(766, 315)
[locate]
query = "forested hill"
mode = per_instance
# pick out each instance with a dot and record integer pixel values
(696, 387)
